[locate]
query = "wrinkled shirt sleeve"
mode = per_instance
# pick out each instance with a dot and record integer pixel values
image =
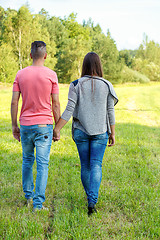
(72, 100)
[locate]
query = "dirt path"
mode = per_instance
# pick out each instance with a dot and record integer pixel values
(144, 115)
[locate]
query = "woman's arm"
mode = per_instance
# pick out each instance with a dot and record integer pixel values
(72, 100)
(111, 116)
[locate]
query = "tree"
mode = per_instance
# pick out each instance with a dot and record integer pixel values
(2, 16)
(41, 32)
(57, 35)
(127, 56)
(17, 24)
(67, 44)
(8, 65)
(21, 29)
(75, 46)
(147, 59)
(106, 48)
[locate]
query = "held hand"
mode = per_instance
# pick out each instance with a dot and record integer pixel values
(56, 135)
(16, 133)
(111, 140)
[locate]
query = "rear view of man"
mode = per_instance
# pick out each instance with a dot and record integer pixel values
(38, 85)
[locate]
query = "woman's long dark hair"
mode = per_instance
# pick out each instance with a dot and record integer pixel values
(92, 65)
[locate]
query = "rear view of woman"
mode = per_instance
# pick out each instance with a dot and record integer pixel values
(91, 101)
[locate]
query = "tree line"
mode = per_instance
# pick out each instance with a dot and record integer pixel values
(67, 44)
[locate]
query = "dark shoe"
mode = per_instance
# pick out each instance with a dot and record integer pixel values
(91, 209)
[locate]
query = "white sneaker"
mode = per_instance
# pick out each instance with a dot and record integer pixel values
(29, 202)
(39, 209)
(44, 208)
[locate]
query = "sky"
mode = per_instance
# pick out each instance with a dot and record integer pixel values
(127, 20)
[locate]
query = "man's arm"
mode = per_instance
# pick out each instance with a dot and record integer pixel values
(14, 112)
(55, 107)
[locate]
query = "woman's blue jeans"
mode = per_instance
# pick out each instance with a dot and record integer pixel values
(91, 151)
(37, 137)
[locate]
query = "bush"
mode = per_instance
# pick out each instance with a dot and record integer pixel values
(149, 69)
(129, 75)
(8, 64)
(152, 71)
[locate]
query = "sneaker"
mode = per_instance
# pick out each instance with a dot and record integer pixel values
(44, 208)
(91, 209)
(39, 209)
(29, 202)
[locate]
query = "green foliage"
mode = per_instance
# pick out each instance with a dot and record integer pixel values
(147, 59)
(2, 16)
(18, 33)
(130, 75)
(150, 69)
(8, 65)
(67, 44)
(21, 29)
(42, 27)
(75, 46)
(127, 56)
(149, 50)
(106, 48)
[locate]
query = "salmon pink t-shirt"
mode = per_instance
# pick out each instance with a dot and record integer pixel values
(36, 85)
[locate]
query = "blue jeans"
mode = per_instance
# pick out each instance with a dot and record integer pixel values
(91, 151)
(38, 137)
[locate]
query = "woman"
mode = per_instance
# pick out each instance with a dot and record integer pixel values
(91, 101)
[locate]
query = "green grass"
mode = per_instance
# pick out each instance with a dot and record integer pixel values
(129, 198)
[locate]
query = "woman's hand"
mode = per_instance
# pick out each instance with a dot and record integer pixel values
(111, 140)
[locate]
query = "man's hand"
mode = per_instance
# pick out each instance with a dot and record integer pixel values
(16, 133)
(56, 132)
(111, 140)
(56, 135)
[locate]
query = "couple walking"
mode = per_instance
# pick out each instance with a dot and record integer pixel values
(91, 101)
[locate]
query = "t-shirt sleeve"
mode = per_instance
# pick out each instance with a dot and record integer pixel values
(16, 84)
(55, 86)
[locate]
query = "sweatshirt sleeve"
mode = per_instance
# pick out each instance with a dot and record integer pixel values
(110, 109)
(72, 100)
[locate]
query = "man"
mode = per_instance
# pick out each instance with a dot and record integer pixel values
(38, 85)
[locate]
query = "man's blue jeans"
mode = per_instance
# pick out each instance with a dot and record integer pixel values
(39, 137)
(91, 151)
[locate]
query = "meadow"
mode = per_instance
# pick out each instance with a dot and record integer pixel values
(129, 198)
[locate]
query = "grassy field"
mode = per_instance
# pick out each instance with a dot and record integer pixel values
(129, 198)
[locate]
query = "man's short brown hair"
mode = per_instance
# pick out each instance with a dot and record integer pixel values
(38, 49)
